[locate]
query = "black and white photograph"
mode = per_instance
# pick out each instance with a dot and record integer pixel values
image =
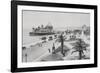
(55, 36)
(50, 36)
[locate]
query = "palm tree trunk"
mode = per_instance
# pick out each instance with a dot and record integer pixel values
(80, 55)
(62, 43)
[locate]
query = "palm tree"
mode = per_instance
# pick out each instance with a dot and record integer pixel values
(61, 39)
(80, 46)
(53, 49)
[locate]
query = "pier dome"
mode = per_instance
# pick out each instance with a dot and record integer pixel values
(49, 25)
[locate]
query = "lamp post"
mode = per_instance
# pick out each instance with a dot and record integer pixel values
(25, 57)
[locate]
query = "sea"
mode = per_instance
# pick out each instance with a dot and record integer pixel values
(27, 39)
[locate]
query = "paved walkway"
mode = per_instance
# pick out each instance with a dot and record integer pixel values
(36, 53)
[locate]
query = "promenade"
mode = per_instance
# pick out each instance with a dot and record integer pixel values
(43, 51)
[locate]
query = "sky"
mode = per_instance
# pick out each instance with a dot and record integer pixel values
(57, 19)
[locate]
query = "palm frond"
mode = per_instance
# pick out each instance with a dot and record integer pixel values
(74, 52)
(80, 45)
(60, 38)
(76, 43)
(85, 49)
(76, 48)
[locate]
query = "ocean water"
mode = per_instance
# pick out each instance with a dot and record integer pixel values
(27, 39)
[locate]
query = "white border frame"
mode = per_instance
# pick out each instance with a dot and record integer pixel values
(57, 63)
